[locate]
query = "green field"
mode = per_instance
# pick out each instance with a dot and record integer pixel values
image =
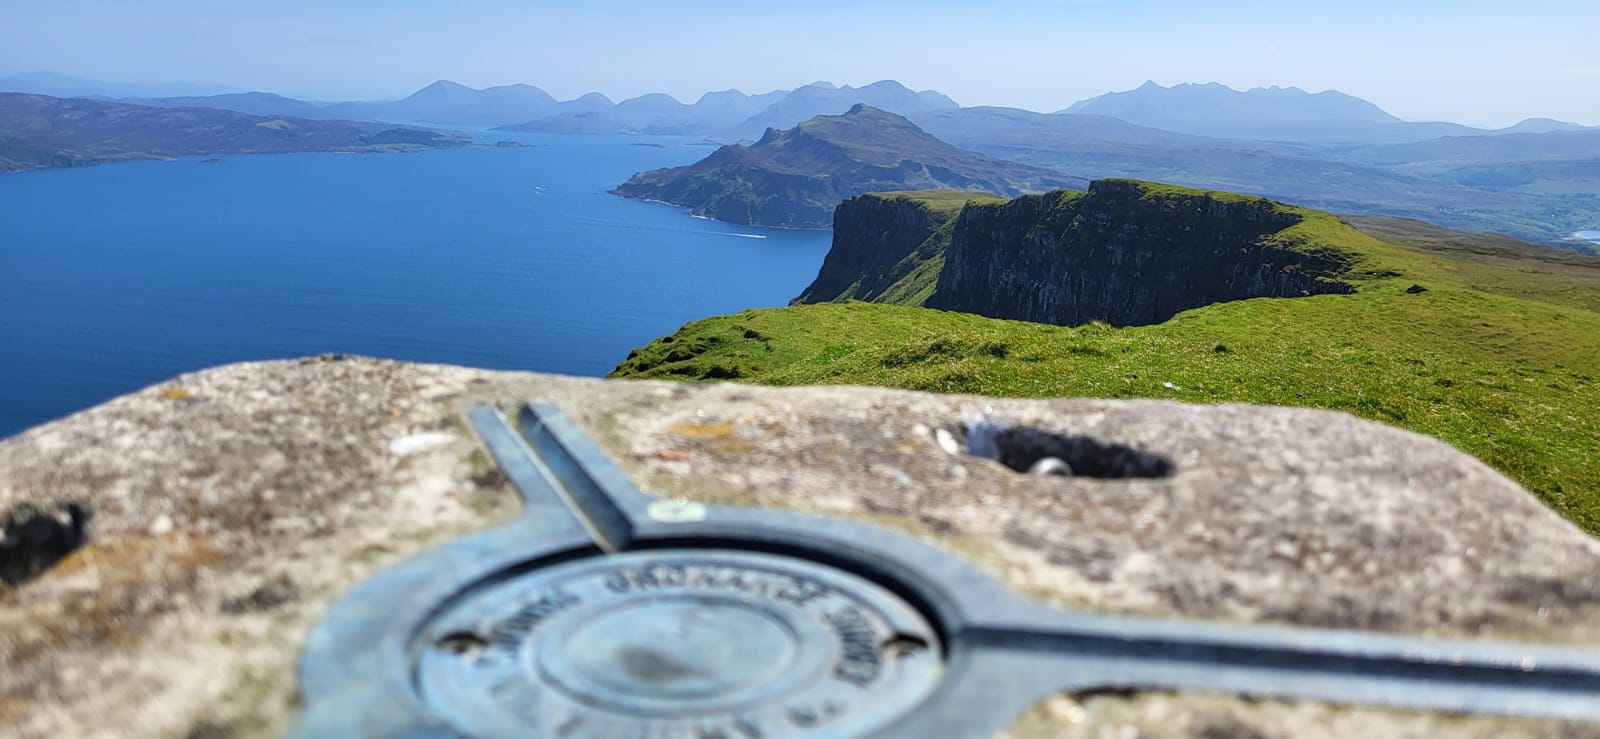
(1498, 356)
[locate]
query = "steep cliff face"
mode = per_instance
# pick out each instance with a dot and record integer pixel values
(1127, 253)
(888, 247)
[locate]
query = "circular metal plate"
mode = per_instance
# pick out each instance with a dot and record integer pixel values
(692, 643)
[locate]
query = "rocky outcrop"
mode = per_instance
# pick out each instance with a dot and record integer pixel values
(795, 178)
(225, 510)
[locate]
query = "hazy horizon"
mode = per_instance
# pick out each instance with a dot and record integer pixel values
(1471, 61)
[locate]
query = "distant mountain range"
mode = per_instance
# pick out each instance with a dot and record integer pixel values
(1277, 114)
(732, 115)
(38, 131)
(63, 86)
(727, 114)
(796, 177)
(1538, 180)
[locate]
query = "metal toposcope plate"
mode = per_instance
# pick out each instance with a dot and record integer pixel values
(605, 612)
(713, 643)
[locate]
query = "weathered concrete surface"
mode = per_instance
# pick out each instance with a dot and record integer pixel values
(231, 507)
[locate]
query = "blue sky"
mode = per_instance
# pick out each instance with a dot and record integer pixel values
(1487, 63)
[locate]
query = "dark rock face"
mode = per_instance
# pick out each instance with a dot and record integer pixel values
(877, 241)
(1124, 253)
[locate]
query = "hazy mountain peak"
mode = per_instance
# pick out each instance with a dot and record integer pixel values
(1214, 109)
(519, 93)
(1542, 125)
(813, 100)
(439, 91)
(59, 85)
(654, 102)
(718, 97)
(446, 86)
(653, 98)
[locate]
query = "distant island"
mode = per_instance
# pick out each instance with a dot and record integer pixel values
(38, 131)
(795, 178)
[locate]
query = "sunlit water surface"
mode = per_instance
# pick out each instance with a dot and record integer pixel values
(116, 277)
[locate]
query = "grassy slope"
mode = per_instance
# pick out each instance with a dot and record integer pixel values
(1498, 358)
(922, 267)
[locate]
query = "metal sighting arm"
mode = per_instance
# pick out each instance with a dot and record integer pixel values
(604, 611)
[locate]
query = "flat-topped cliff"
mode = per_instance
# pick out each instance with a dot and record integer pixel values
(1125, 252)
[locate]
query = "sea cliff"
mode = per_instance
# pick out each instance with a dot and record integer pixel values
(1124, 252)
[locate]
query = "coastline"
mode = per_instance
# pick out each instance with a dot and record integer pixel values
(693, 214)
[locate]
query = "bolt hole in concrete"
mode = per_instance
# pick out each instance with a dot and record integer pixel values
(462, 643)
(904, 645)
(34, 538)
(1039, 452)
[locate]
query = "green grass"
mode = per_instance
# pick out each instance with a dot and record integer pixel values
(1498, 357)
(947, 202)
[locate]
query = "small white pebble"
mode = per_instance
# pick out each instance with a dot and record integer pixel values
(1050, 466)
(947, 441)
(406, 445)
(162, 525)
(892, 473)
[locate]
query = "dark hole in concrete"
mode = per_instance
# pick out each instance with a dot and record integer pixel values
(464, 643)
(1043, 452)
(903, 645)
(34, 538)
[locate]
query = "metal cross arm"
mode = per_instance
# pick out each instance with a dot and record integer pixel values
(605, 612)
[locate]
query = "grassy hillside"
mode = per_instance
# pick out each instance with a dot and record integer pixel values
(1498, 356)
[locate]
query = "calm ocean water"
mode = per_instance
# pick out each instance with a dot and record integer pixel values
(116, 277)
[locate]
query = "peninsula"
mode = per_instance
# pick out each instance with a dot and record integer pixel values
(795, 178)
(38, 131)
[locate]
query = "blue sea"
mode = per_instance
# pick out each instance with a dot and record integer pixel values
(119, 276)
